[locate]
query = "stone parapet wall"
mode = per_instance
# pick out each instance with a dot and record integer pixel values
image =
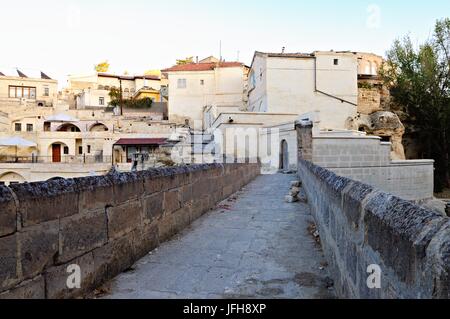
(361, 226)
(102, 224)
(368, 160)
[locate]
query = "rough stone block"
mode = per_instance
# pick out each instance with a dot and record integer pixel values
(123, 219)
(186, 194)
(390, 220)
(182, 218)
(296, 184)
(82, 233)
(31, 289)
(294, 191)
(152, 181)
(166, 227)
(171, 201)
(146, 241)
(8, 262)
(8, 212)
(438, 263)
(45, 201)
(353, 197)
(116, 256)
(38, 248)
(291, 199)
(56, 278)
(127, 186)
(95, 192)
(153, 207)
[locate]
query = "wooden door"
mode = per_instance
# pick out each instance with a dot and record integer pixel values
(56, 153)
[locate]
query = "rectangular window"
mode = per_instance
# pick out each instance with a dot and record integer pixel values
(18, 127)
(66, 150)
(29, 127)
(26, 93)
(181, 83)
(101, 101)
(336, 62)
(22, 92)
(89, 149)
(46, 92)
(12, 91)
(80, 150)
(202, 82)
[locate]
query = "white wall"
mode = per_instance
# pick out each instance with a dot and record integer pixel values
(288, 85)
(258, 85)
(221, 86)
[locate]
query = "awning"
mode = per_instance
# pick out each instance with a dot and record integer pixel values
(141, 141)
(16, 141)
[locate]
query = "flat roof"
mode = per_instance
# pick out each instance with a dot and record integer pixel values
(141, 141)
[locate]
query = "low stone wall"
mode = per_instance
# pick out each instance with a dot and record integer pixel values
(103, 224)
(368, 160)
(362, 226)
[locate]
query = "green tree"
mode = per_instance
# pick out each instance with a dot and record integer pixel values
(419, 82)
(143, 103)
(102, 67)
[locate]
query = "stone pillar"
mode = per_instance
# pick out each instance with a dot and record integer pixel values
(305, 140)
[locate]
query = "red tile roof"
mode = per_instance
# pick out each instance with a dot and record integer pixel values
(141, 141)
(202, 66)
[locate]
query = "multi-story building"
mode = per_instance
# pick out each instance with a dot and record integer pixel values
(93, 90)
(38, 143)
(299, 83)
(23, 90)
(195, 86)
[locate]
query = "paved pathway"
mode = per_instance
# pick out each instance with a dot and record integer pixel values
(254, 245)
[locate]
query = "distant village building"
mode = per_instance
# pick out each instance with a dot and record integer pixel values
(195, 86)
(46, 135)
(299, 83)
(93, 90)
(20, 89)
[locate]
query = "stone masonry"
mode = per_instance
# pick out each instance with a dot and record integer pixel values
(361, 226)
(103, 224)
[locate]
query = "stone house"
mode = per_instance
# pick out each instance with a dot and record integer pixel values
(21, 89)
(93, 90)
(195, 86)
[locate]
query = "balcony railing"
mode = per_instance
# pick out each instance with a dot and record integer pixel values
(63, 159)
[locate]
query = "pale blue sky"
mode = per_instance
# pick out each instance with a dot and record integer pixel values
(68, 37)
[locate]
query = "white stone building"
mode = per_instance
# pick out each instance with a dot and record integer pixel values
(195, 86)
(296, 83)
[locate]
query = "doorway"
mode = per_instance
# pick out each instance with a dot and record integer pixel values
(56, 153)
(284, 156)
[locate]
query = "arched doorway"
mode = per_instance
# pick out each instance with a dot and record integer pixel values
(98, 127)
(58, 151)
(68, 127)
(284, 155)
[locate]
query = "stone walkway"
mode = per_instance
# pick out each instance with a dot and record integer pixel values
(254, 245)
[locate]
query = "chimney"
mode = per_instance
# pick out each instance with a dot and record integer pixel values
(196, 59)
